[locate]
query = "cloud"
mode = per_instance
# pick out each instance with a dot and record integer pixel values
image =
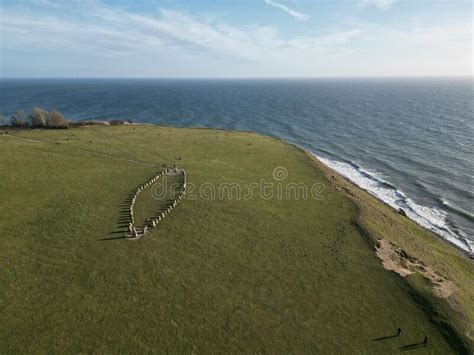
(380, 4)
(297, 15)
(110, 32)
(96, 39)
(104, 30)
(45, 3)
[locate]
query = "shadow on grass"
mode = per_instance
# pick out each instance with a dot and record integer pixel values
(385, 337)
(449, 333)
(123, 219)
(112, 238)
(412, 346)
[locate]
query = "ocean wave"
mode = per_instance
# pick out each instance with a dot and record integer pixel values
(429, 217)
(458, 210)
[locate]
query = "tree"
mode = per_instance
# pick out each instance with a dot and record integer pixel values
(18, 119)
(38, 117)
(56, 120)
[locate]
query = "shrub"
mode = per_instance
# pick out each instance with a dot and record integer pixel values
(76, 123)
(87, 123)
(18, 119)
(56, 120)
(97, 123)
(39, 117)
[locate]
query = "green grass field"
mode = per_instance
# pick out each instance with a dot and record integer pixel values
(154, 199)
(253, 275)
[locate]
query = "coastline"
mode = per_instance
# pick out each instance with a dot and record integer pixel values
(469, 254)
(408, 249)
(428, 226)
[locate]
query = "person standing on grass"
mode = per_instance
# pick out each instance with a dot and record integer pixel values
(399, 331)
(425, 341)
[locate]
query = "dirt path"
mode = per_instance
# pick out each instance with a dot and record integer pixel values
(22, 139)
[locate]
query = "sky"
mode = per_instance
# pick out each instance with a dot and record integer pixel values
(235, 38)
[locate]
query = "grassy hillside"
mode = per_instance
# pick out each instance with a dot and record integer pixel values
(252, 274)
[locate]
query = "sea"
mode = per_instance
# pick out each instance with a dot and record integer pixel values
(407, 141)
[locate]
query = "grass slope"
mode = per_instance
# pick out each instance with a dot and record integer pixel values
(255, 275)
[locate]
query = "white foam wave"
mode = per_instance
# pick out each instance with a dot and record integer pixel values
(429, 217)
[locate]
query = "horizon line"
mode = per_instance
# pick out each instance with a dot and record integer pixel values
(239, 78)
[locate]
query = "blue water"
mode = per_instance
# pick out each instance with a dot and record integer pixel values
(407, 141)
